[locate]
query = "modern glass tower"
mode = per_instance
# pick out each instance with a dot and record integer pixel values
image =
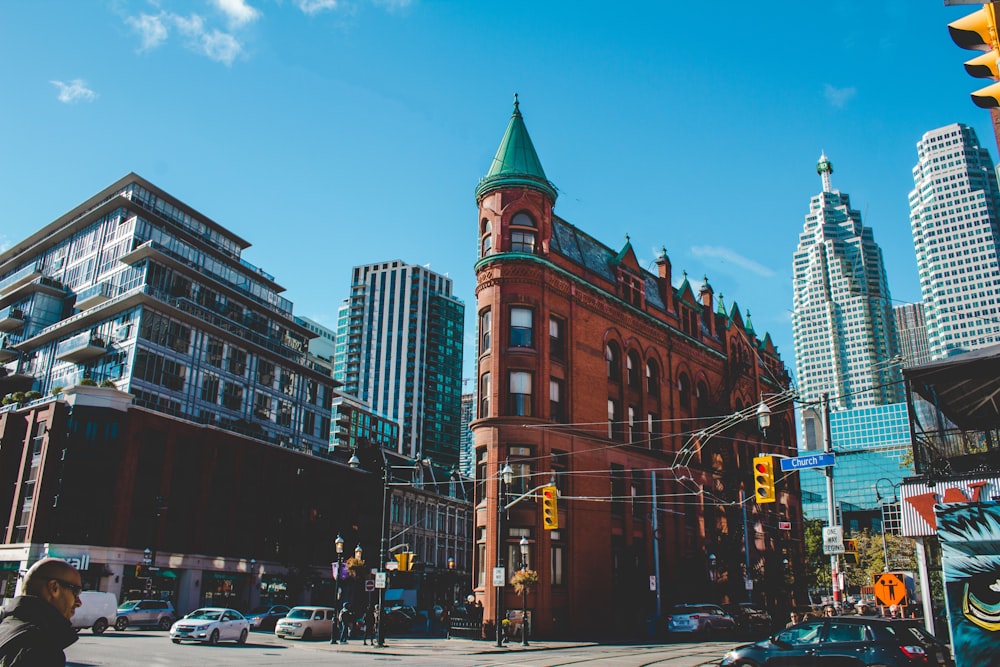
(954, 216)
(134, 288)
(842, 320)
(912, 332)
(404, 355)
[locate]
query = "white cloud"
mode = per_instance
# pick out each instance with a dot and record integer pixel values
(316, 6)
(217, 45)
(732, 257)
(838, 97)
(151, 29)
(74, 91)
(238, 12)
(393, 5)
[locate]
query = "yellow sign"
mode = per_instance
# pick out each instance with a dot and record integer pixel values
(889, 588)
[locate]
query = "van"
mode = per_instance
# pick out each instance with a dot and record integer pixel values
(97, 611)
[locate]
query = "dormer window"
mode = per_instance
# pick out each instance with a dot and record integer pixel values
(522, 233)
(631, 289)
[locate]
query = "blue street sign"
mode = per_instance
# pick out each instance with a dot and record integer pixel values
(810, 461)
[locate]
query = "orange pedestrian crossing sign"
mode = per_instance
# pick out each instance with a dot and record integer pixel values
(889, 588)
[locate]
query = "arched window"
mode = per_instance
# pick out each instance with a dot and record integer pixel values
(613, 357)
(652, 378)
(684, 392)
(633, 366)
(522, 220)
(486, 244)
(522, 240)
(702, 398)
(484, 396)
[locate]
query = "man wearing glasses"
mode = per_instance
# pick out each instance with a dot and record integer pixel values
(35, 626)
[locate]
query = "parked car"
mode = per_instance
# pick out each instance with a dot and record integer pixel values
(400, 618)
(845, 640)
(751, 621)
(97, 611)
(700, 620)
(145, 614)
(265, 616)
(210, 625)
(306, 623)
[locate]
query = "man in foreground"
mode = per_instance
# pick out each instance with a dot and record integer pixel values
(35, 626)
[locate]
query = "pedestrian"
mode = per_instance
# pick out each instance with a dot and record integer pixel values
(829, 611)
(35, 626)
(334, 627)
(893, 611)
(794, 618)
(346, 618)
(369, 622)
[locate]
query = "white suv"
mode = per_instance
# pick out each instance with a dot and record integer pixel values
(145, 614)
(306, 623)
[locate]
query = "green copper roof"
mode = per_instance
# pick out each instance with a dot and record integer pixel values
(516, 163)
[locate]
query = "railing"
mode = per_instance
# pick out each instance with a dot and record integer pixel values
(19, 277)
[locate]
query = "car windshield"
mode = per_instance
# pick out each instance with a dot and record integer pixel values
(300, 613)
(205, 615)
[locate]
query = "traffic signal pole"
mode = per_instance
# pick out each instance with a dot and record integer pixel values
(831, 507)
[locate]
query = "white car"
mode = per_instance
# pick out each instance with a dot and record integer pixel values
(211, 625)
(306, 623)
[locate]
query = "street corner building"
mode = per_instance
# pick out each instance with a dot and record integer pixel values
(637, 399)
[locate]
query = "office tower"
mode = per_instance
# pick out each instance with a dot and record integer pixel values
(404, 354)
(465, 456)
(912, 332)
(340, 343)
(954, 216)
(842, 319)
(136, 289)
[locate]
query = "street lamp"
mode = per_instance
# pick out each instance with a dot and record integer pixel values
(881, 501)
(503, 481)
(524, 593)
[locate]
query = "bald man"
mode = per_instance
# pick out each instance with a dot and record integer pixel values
(35, 626)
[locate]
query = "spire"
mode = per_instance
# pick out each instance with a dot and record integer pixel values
(824, 168)
(516, 162)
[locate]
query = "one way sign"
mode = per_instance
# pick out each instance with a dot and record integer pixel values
(833, 540)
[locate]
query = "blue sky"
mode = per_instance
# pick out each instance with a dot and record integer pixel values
(331, 133)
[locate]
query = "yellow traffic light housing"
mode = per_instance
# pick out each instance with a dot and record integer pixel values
(763, 479)
(978, 32)
(404, 560)
(550, 509)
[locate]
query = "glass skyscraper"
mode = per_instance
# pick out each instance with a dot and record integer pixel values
(954, 209)
(404, 355)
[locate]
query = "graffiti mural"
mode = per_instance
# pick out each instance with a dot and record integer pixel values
(970, 552)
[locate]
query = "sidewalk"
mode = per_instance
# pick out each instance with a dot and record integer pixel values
(422, 646)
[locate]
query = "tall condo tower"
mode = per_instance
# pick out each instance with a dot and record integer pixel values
(842, 319)
(954, 209)
(404, 354)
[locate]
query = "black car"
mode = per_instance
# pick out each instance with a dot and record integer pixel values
(266, 616)
(848, 641)
(752, 622)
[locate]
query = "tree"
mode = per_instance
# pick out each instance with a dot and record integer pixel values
(817, 566)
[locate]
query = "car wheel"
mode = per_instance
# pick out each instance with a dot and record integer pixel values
(243, 636)
(307, 635)
(176, 641)
(214, 638)
(706, 634)
(165, 623)
(100, 625)
(121, 623)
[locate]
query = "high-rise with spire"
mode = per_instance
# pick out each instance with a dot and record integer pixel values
(954, 215)
(842, 319)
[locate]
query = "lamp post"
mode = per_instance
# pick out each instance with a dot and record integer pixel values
(355, 462)
(503, 481)
(881, 501)
(339, 543)
(524, 593)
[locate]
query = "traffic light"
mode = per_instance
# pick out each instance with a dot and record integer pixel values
(763, 479)
(978, 32)
(550, 509)
(851, 556)
(141, 571)
(404, 560)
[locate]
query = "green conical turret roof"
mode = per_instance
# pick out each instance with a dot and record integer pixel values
(516, 163)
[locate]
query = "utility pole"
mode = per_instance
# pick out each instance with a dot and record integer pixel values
(831, 507)
(656, 543)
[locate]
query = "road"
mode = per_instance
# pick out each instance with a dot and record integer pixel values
(153, 649)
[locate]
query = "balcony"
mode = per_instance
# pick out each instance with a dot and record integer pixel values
(81, 347)
(94, 296)
(6, 351)
(22, 277)
(11, 319)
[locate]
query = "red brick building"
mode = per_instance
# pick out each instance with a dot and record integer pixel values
(622, 387)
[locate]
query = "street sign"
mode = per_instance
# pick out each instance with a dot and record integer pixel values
(652, 582)
(499, 576)
(784, 525)
(380, 580)
(369, 585)
(748, 583)
(833, 540)
(889, 588)
(810, 461)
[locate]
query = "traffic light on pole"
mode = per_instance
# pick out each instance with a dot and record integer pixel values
(550, 509)
(978, 32)
(763, 479)
(403, 560)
